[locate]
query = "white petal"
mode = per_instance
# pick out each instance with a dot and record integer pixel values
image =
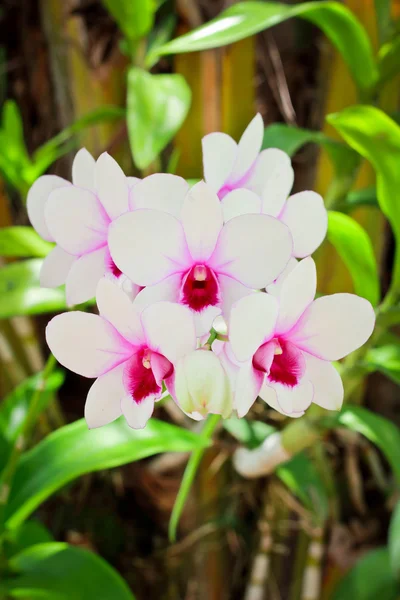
(167, 290)
(169, 329)
(37, 199)
(201, 220)
(135, 414)
(160, 191)
(203, 320)
(55, 267)
(111, 186)
(132, 182)
(296, 294)
(252, 323)
(86, 343)
(83, 169)
(307, 219)
(76, 219)
(231, 292)
(253, 249)
(275, 287)
(219, 155)
(272, 179)
(148, 245)
(333, 326)
(231, 369)
(115, 306)
(84, 275)
(248, 385)
(327, 383)
(248, 148)
(103, 403)
(240, 202)
(286, 400)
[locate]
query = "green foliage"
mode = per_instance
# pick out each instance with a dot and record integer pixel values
(157, 107)
(249, 433)
(369, 579)
(386, 357)
(21, 294)
(247, 18)
(62, 572)
(134, 17)
(355, 248)
(23, 242)
(394, 542)
(74, 450)
(383, 18)
(389, 60)
(362, 197)
(29, 534)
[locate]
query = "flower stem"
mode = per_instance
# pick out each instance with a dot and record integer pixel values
(190, 474)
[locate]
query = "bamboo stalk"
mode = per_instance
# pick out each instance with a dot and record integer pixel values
(312, 579)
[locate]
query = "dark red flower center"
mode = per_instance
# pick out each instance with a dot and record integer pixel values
(281, 361)
(145, 372)
(199, 288)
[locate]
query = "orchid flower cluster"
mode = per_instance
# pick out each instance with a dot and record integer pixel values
(199, 289)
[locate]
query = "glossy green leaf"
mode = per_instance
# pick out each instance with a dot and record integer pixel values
(389, 60)
(74, 450)
(21, 294)
(29, 534)
(249, 433)
(376, 136)
(157, 107)
(378, 430)
(134, 17)
(64, 573)
(303, 480)
(247, 18)
(386, 357)
(23, 242)
(363, 197)
(159, 36)
(355, 248)
(290, 139)
(369, 579)
(14, 132)
(394, 542)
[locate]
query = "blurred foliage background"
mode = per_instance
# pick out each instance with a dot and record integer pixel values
(85, 514)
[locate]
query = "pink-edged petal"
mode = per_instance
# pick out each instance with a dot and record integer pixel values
(84, 275)
(275, 288)
(327, 383)
(83, 169)
(116, 307)
(148, 245)
(37, 199)
(307, 219)
(252, 323)
(333, 326)
(272, 178)
(203, 320)
(240, 202)
(219, 155)
(169, 329)
(248, 148)
(111, 186)
(167, 290)
(160, 191)
(55, 267)
(76, 220)
(253, 249)
(287, 400)
(135, 414)
(202, 220)
(231, 369)
(296, 294)
(161, 367)
(248, 384)
(231, 291)
(103, 403)
(86, 343)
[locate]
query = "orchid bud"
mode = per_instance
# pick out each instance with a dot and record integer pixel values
(202, 386)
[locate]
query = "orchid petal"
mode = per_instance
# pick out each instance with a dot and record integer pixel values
(84, 275)
(115, 306)
(161, 191)
(288, 400)
(296, 294)
(240, 202)
(248, 148)
(37, 199)
(272, 178)
(137, 414)
(55, 267)
(167, 290)
(327, 383)
(248, 385)
(202, 221)
(231, 291)
(103, 403)
(204, 319)
(275, 288)
(307, 219)
(219, 155)
(83, 169)
(111, 186)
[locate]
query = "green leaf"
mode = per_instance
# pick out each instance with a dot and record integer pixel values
(383, 17)
(378, 430)
(74, 450)
(369, 579)
(157, 107)
(134, 17)
(249, 433)
(376, 137)
(394, 542)
(355, 249)
(29, 534)
(389, 60)
(290, 139)
(21, 294)
(386, 358)
(303, 480)
(23, 242)
(64, 572)
(247, 18)
(158, 37)
(363, 197)
(14, 132)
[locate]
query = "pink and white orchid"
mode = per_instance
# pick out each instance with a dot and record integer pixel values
(77, 217)
(249, 181)
(285, 344)
(130, 354)
(198, 261)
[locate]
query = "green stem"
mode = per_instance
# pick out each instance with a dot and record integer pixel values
(190, 474)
